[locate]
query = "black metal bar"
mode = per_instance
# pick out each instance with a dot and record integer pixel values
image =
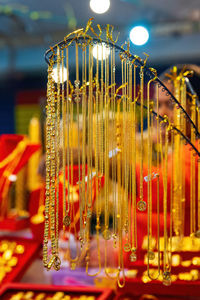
(175, 128)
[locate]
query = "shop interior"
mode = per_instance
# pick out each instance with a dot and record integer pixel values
(100, 150)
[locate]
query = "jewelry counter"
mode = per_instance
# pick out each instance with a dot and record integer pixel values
(16, 254)
(46, 292)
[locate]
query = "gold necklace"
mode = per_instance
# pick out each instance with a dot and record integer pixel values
(133, 256)
(63, 141)
(198, 164)
(177, 162)
(83, 202)
(150, 253)
(50, 171)
(192, 174)
(158, 179)
(141, 205)
(166, 254)
(57, 150)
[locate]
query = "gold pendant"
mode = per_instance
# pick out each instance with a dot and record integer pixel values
(133, 256)
(141, 205)
(127, 247)
(67, 221)
(167, 278)
(57, 263)
(106, 234)
(151, 255)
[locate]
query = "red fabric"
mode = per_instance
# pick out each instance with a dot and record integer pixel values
(8, 143)
(180, 289)
(37, 229)
(30, 97)
(29, 151)
(14, 223)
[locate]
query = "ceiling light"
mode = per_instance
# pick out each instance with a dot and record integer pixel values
(99, 6)
(101, 50)
(139, 35)
(55, 74)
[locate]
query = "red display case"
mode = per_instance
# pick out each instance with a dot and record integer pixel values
(14, 223)
(175, 270)
(179, 290)
(31, 249)
(7, 291)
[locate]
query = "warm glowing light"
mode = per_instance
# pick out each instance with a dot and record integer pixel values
(101, 50)
(63, 75)
(99, 6)
(12, 177)
(139, 35)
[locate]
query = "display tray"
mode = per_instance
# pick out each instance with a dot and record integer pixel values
(14, 223)
(179, 290)
(182, 263)
(90, 293)
(175, 270)
(16, 254)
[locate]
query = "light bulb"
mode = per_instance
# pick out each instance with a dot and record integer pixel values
(101, 49)
(99, 6)
(55, 74)
(139, 35)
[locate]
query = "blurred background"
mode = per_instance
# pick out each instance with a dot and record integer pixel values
(28, 28)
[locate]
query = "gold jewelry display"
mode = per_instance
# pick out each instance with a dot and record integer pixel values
(150, 253)
(30, 295)
(94, 103)
(193, 174)
(8, 258)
